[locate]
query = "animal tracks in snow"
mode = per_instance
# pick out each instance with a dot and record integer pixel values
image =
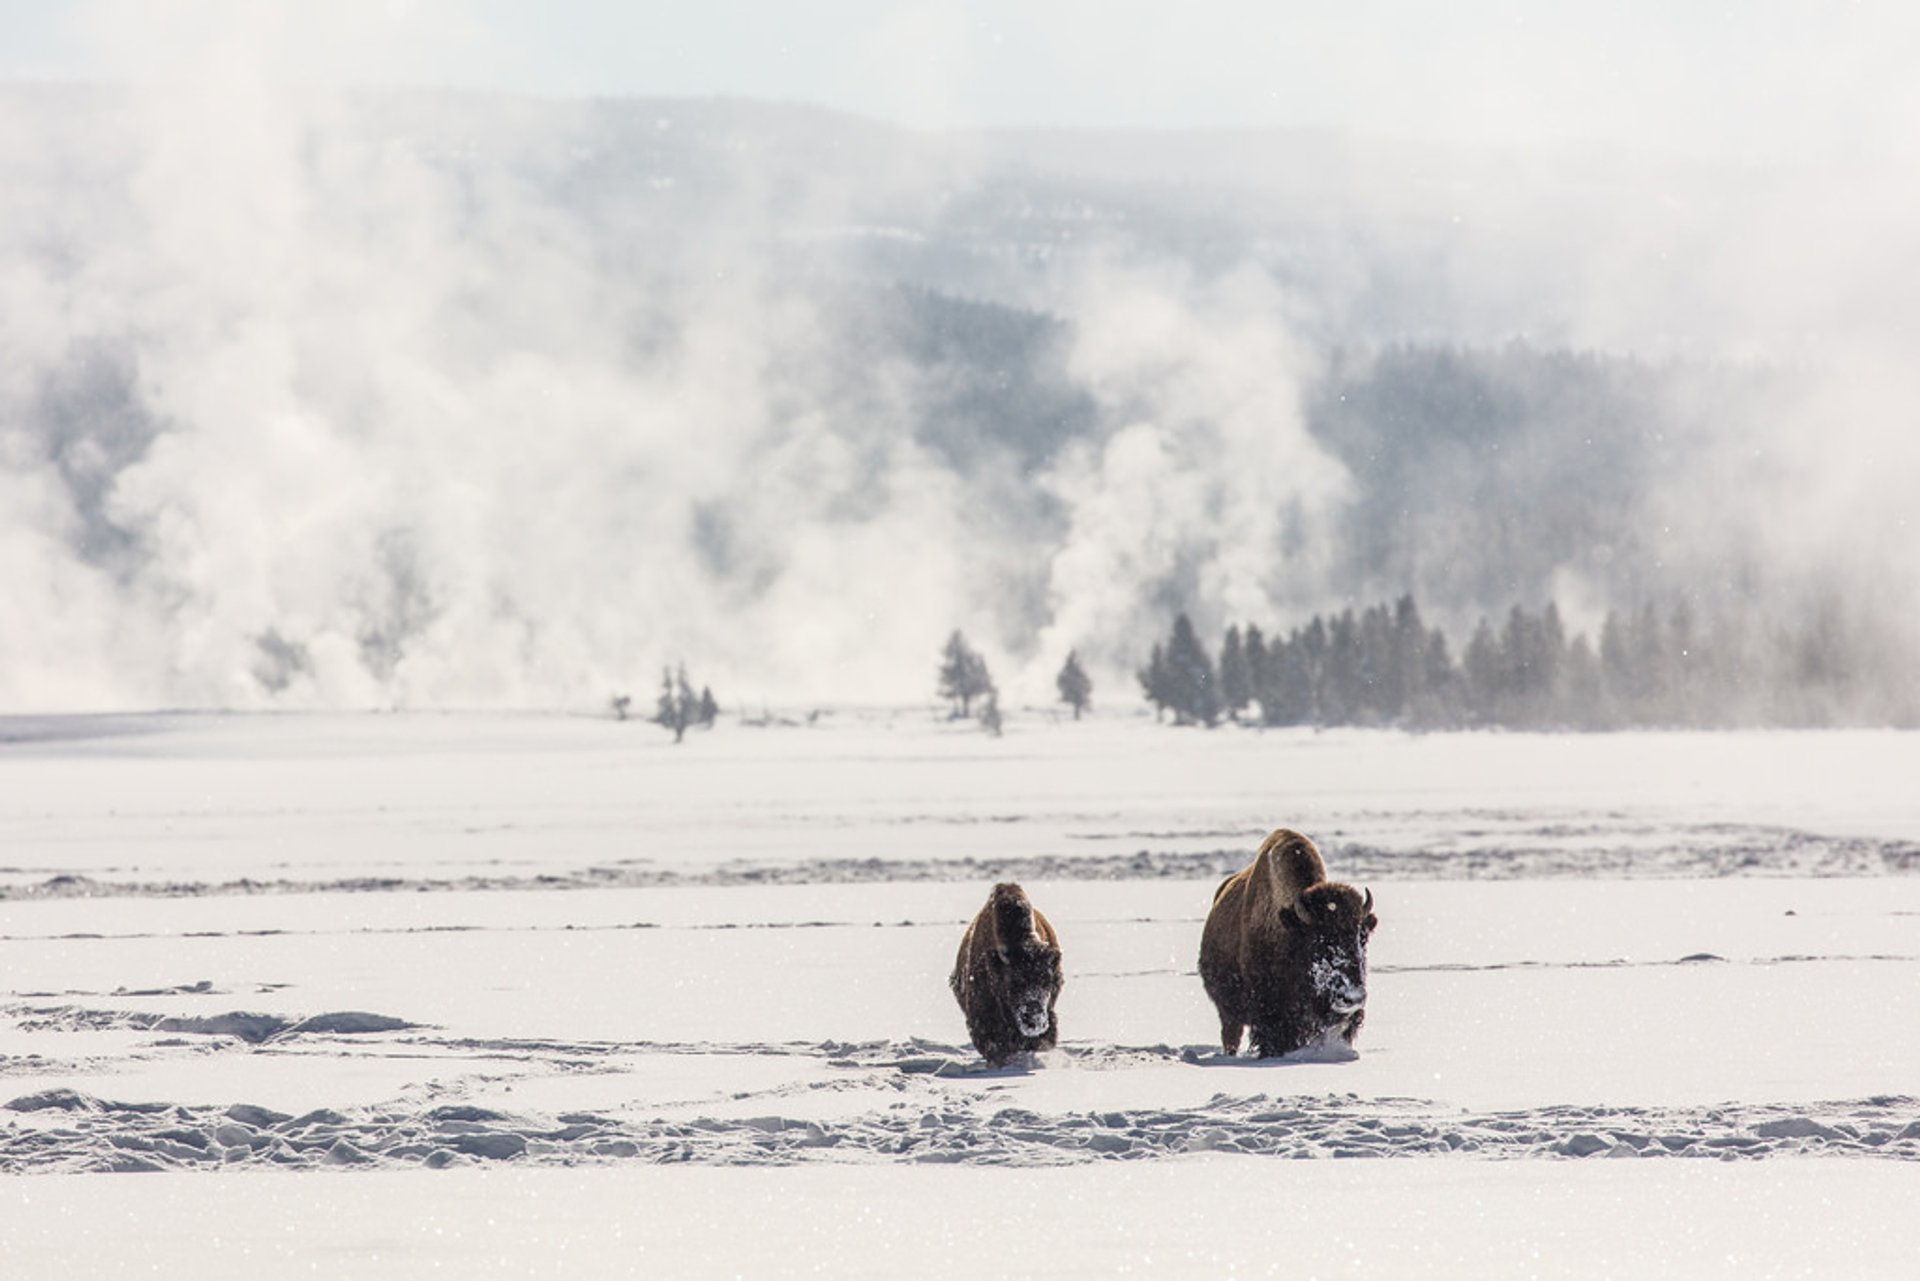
(913, 1100)
(62, 1130)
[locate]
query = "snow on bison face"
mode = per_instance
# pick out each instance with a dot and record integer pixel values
(1339, 924)
(1029, 975)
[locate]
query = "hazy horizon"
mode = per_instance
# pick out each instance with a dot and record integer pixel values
(1777, 80)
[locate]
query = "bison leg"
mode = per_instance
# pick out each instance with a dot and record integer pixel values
(1230, 1035)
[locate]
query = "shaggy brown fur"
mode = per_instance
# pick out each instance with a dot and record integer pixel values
(1284, 951)
(1007, 977)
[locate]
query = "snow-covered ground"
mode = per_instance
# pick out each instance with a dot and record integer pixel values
(548, 993)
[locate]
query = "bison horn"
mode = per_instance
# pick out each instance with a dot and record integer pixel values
(1368, 905)
(1299, 906)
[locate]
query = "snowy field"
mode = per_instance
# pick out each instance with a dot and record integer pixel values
(385, 995)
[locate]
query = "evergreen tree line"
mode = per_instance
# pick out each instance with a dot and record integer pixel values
(1652, 667)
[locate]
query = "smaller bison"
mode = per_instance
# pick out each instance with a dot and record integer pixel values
(1007, 977)
(1284, 952)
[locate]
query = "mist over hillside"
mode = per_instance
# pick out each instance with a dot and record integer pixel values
(450, 399)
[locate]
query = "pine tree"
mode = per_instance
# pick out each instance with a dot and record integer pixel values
(1514, 693)
(1524, 671)
(709, 711)
(1075, 686)
(963, 675)
(1550, 657)
(1377, 689)
(1682, 666)
(1647, 646)
(990, 712)
(1406, 678)
(1583, 687)
(1153, 682)
(1193, 688)
(677, 707)
(1616, 671)
(1481, 668)
(1256, 650)
(1440, 704)
(1236, 684)
(1283, 689)
(1312, 647)
(1341, 687)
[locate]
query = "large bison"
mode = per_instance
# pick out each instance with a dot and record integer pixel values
(1284, 952)
(1007, 977)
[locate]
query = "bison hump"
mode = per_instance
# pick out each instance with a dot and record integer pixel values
(1293, 864)
(1012, 914)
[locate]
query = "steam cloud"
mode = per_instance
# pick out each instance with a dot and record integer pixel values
(307, 415)
(322, 400)
(1209, 494)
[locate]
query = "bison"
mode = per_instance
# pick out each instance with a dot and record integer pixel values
(1007, 977)
(1284, 951)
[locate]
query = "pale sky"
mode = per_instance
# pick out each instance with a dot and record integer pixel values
(1759, 79)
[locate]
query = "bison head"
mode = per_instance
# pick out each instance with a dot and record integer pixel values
(1336, 922)
(1028, 973)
